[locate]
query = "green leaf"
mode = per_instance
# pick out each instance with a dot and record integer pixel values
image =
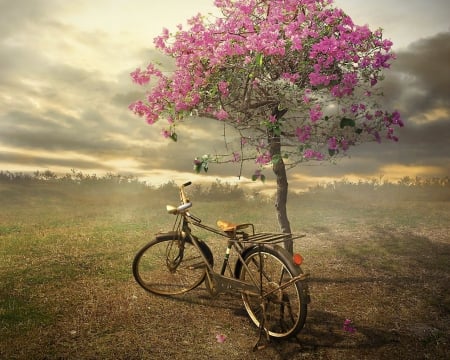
(174, 136)
(259, 59)
(347, 122)
(277, 131)
(200, 164)
(276, 159)
(255, 177)
(332, 152)
(263, 178)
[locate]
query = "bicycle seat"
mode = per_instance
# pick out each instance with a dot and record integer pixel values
(227, 226)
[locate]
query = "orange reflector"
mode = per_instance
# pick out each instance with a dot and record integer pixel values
(297, 258)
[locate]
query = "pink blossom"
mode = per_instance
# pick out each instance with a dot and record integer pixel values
(151, 118)
(139, 77)
(166, 133)
(345, 144)
(332, 143)
(315, 113)
(387, 44)
(381, 60)
(303, 133)
(307, 96)
(310, 154)
(221, 338)
(272, 119)
(396, 119)
(290, 77)
(348, 327)
(350, 80)
(139, 108)
(221, 114)
(263, 159)
(223, 88)
(369, 116)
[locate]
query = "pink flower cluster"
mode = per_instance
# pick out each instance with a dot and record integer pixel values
(348, 327)
(310, 154)
(264, 158)
(315, 113)
(303, 133)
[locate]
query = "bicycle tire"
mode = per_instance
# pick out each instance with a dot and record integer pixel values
(158, 268)
(286, 309)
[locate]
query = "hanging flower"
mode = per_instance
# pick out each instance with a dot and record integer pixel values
(348, 327)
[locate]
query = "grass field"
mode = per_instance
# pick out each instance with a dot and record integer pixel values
(67, 290)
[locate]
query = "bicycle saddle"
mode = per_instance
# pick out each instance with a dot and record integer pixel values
(227, 226)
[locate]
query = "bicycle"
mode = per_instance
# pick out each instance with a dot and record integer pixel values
(271, 282)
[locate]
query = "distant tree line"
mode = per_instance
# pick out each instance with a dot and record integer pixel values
(436, 188)
(74, 177)
(414, 188)
(92, 183)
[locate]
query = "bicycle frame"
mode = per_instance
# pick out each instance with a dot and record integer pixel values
(218, 282)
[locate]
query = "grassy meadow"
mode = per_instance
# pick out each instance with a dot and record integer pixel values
(378, 255)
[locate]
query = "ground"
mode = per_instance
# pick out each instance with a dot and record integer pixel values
(68, 292)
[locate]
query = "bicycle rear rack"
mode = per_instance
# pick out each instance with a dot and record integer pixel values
(267, 238)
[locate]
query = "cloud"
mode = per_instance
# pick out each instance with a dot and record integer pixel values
(402, 22)
(41, 160)
(24, 14)
(421, 79)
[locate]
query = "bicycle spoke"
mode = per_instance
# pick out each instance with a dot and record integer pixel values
(285, 310)
(169, 267)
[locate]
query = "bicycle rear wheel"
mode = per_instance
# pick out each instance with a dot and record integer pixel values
(169, 265)
(283, 312)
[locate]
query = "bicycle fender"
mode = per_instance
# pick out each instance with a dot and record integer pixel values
(238, 265)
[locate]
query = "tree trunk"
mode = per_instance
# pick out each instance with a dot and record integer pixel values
(279, 170)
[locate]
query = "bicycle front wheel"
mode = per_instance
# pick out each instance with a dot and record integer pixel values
(169, 265)
(282, 306)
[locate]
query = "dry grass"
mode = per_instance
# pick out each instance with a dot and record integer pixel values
(67, 290)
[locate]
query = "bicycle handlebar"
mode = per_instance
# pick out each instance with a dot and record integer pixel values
(186, 204)
(183, 196)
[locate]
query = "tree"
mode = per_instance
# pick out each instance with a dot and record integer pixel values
(295, 79)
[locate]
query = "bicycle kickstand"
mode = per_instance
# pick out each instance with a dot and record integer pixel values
(259, 344)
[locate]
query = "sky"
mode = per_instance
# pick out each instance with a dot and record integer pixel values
(65, 90)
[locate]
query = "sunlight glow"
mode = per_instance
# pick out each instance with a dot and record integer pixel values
(432, 115)
(396, 172)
